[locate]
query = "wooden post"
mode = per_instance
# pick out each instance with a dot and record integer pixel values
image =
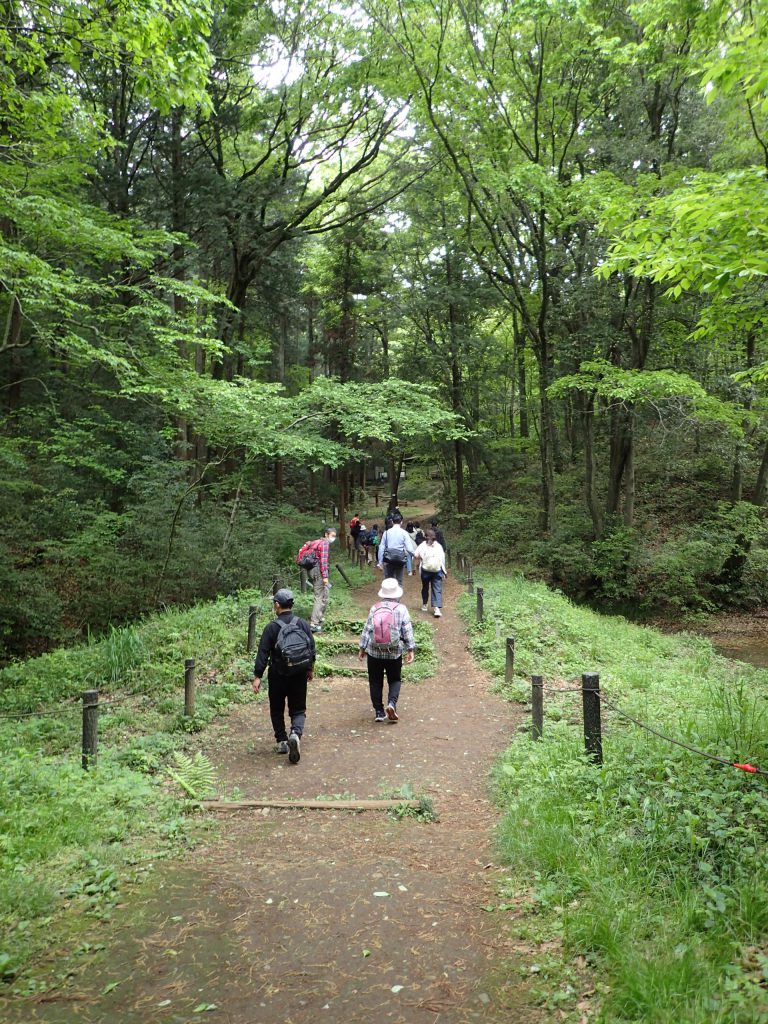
(537, 707)
(90, 728)
(590, 695)
(189, 688)
(480, 596)
(346, 578)
(275, 585)
(252, 612)
(303, 581)
(470, 585)
(509, 672)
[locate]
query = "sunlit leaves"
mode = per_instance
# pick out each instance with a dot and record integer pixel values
(709, 234)
(656, 388)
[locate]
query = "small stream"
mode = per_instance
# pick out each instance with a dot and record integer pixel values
(751, 650)
(743, 636)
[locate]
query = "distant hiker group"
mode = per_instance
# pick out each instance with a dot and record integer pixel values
(287, 643)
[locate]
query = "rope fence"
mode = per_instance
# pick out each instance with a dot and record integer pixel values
(593, 698)
(90, 706)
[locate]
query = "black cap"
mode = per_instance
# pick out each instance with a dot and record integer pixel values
(284, 597)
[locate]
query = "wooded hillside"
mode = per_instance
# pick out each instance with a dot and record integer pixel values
(253, 258)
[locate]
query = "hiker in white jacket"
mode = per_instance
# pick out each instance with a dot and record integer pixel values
(432, 561)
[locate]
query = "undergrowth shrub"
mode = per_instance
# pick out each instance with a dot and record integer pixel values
(498, 530)
(654, 865)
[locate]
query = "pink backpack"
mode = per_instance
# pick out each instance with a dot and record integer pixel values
(386, 632)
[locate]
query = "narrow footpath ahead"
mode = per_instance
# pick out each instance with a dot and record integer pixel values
(299, 916)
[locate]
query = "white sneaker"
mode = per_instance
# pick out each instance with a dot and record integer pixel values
(425, 608)
(437, 613)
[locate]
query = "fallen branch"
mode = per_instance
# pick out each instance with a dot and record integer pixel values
(320, 805)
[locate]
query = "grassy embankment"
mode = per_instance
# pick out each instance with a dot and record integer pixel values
(651, 869)
(77, 840)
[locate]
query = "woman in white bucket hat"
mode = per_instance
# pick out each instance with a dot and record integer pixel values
(388, 631)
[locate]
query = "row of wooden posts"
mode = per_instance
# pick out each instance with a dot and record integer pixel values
(590, 681)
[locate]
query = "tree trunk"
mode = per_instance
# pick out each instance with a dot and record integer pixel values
(761, 487)
(461, 502)
(525, 430)
(587, 409)
(230, 528)
(342, 530)
(546, 435)
(392, 473)
(621, 444)
(629, 478)
(737, 475)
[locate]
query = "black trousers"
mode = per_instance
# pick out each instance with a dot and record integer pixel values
(292, 689)
(377, 669)
(394, 571)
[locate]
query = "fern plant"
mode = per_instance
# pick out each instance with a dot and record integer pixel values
(196, 775)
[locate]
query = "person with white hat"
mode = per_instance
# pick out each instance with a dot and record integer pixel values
(288, 646)
(388, 631)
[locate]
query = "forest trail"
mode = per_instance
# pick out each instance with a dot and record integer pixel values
(282, 918)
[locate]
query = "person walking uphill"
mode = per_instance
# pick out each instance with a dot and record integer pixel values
(388, 631)
(288, 646)
(313, 557)
(432, 560)
(394, 548)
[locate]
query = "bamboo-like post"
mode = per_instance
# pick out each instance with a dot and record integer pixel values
(189, 688)
(590, 695)
(509, 671)
(90, 728)
(252, 613)
(537, 707)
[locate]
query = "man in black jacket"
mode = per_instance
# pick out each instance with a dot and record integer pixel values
(288, 645)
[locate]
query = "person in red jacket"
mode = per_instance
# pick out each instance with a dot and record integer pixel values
(319, 574)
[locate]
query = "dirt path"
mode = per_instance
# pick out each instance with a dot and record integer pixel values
(282, 918)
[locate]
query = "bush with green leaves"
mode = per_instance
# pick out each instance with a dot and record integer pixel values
(652, 867)
(498, 530)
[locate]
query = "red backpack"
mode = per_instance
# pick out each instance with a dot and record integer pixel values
(308, 556)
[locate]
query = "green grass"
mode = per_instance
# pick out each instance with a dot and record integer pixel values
(76, 839)
(653, 867)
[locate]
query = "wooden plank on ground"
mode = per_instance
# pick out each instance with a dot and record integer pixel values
(320, 805)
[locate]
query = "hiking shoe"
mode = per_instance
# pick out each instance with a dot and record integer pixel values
(380, 717)
(282, 747)
(391, 713)
(316, 629)
(437, 613)
(425, 607)
(294, 748)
